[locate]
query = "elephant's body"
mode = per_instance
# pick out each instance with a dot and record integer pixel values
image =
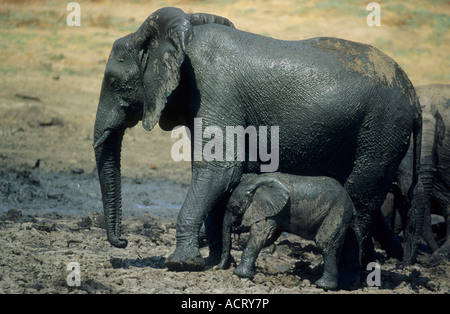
(343, 109)
(435, 166)
(325, 105)
(315, 208)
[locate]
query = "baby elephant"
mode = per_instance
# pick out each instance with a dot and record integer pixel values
(314, 208)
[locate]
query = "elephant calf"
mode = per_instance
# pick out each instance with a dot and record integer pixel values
(315, 208)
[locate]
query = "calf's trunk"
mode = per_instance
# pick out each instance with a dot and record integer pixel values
(226, 258)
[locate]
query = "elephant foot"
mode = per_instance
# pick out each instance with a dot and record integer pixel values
(395, 250)
(226, 263)
(244, 272)
(349, 282)
(442, 253)
(185, 260)
(349, 277)
(410, 255)
(214, 257)
(327, 283)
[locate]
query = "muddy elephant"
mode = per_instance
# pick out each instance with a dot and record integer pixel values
(434, 171)
(325, 106)
(314, 208)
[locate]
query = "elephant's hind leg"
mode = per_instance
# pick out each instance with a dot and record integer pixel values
(370, 181)
(330, 238)
(368, 194)
(379, 153)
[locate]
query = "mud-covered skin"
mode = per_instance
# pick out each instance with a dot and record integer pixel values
(315, 208)
(343, 109)
(435, 166)
(131, 92)
(299, 93)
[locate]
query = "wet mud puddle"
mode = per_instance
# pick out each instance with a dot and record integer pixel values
(38, 193)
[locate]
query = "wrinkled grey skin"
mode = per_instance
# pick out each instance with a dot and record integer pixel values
(343, 109)
(143, 70)
(315, 208)
(435, 168)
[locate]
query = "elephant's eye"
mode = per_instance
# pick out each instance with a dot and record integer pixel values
(113, 83)
(124, 104)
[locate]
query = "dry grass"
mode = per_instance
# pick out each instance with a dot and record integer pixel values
(41, 56)
(35, 34)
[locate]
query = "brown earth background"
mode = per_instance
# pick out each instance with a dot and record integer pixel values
(50, 81)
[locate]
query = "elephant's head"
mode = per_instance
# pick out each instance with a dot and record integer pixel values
(257, 198)
(143, 70)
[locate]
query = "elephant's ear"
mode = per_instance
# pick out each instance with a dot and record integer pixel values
(161, 41)
(269, 198)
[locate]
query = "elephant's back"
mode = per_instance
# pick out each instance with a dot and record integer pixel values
(323, 94)
(325, 53)
(311, 70)
(310, 190)
(313, 198)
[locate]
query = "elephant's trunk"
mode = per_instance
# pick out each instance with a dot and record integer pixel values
(107, 154)
(415, 220)
(226, 258)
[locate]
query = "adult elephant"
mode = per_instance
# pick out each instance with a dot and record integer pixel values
(435, 169)
(343, 110)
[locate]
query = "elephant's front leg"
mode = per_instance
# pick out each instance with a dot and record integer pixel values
(260, 233)
(210, 182)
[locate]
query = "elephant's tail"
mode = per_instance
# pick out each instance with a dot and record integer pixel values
(417, 147)
(416, 211)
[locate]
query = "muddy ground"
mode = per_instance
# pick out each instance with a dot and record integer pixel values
(50, 203)
(51, 220)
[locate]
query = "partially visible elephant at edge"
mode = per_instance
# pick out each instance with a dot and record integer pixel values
(315, 208)
(434, 170)
(344, 110)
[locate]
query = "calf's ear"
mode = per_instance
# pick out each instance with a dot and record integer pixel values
(270, 198)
